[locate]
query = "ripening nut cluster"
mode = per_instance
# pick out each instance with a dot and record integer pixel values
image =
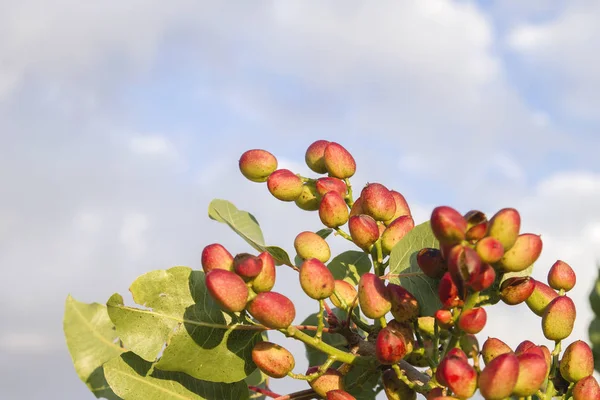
(244, 282)
(469, 269)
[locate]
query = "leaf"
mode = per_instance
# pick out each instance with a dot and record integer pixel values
(594, 328)
(129, 376)
(324, 232)
(361, 382)
(257, 379)
(316, 357)
(92, 341)
(181, 314)
(244, 224)
(350, 266)
(403, 259)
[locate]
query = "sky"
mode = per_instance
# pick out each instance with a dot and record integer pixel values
(121, 120)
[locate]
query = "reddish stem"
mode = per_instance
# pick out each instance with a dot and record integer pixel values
(309, 328)
(303, 394)
(265, 392)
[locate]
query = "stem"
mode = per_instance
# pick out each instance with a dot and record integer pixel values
(303, 394)
(322, 369)
(343, 234)
(550, 390)
(340, 355)
(436, 342)
(266, 392)
(471, 301)
(361, 324)
(349, 199)
(310, 328)
(320, 324)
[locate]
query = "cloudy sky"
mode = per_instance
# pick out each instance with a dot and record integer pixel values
(121, 120)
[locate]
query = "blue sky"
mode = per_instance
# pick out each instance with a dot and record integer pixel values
(119, 123)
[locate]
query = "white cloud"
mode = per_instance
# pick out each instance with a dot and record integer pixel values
(132, 233)
(26, 343)
(152, 145)
(565, 48)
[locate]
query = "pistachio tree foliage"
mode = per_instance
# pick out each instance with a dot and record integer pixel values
(398, 315)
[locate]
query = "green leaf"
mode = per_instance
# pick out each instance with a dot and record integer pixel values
(360, 382)
(258, 379)
(594, 328)
(244, 224)
(181, 314)
(132, 378)
(316, 357)
(350, 266)
(324, 232)
(403, 260)
(280, 256)
(92, 341)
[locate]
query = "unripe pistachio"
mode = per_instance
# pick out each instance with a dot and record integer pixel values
(227, 289)
(378, 202)
(418, 357)
(458, 375)
(473, 320)
(256, 165)
(395, 232)
(404, 305)
(477, 224)
(499, 377)
(524, 346)
(330, 184)
(316, 280)
(333, 210)
(464, 264)
(493, 348)
(516, 290)
(332, 379)
(402, 207)
(559, 318)
(343, 294)
(215, 256)
(338, 161)
(561, 276)
(363, 230)
(273, 359)
(426, 326)
(448, 292)
(457, 353)
(314, 156)
(339, 395)
(357, 208)
(505, 226)
(390, 346)
(484, 280)
(469, 344)
(444, 318)
(265, 280)
(310, 245)
(532, 373)
(395, 389)
(372, 296)
(247, 266)
(490, 250)
(437, 393)
(586, 389)
(284, 185)
(272, 309)
(308, 199)
(577, 361)
(541, 296)
(431, 262)
(448, 226)
(525, 251)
